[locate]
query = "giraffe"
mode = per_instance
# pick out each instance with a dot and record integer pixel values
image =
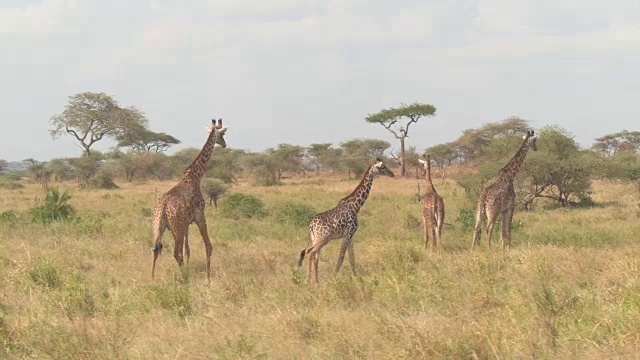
(184, 204)
(432, 209)
(499, 197)
(341, 222)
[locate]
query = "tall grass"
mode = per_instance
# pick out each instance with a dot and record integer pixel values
(569, 288)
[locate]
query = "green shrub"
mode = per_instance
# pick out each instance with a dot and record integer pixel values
(292, 213)
(240, 205)
(173, 297)
(213, 189)
(466, 218)
(9, 217)
(53, 208)
(101, 180)
(45, 273)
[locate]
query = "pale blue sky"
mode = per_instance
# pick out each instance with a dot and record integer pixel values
(300, 72)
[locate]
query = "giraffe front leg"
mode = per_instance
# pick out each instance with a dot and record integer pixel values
(202, 226)
(187, 251)
(177, 251)
(425, 230)
(352, 257)
(507, 225)
(343, 250)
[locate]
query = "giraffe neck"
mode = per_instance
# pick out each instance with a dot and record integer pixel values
(510, 170)
(358, 197)
(196, 169)
(428, 174)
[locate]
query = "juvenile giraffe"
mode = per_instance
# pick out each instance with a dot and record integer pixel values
(341, 222)
(432, 209)
(500, 197)
(184, 204)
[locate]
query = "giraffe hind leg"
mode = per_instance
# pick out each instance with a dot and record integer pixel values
(159, 227)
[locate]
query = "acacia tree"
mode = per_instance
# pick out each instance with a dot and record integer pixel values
(143, 140)
(392, 120)
(89, 117)
(358, 154)
(623, 141)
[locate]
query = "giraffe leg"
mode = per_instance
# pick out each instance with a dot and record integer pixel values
(178, 235)
(310, 255)
(316, 261)
(507, 224)
(492, 216)
(439, 223)
(477, 230)
(159, 226)
(433, 238)
(343, 250)
(425, 239)
(352, 257)
(202, 226)
(187, 251)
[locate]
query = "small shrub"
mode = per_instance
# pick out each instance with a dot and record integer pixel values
(411, 221)
(173, 297)
(45, 273)
(466, 218)
(53, 208)
(240, 205)
(147, 212)
(213, 189)
(292, 213)
(101, 180)
(9, 217)
(91, 223)
(78, 300)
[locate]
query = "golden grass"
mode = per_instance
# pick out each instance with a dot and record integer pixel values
(570, 288)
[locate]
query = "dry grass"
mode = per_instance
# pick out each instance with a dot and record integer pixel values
(570, 288)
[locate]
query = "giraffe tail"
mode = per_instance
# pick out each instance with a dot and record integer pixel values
(159, 226)
(301, 258)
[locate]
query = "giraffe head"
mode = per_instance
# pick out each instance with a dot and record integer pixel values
(379, 168)
(217, 128)
(426, 158)
(531, 138)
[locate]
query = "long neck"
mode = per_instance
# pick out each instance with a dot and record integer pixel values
(198, 166)
(357, 198)
(510, 170)
(428, 174)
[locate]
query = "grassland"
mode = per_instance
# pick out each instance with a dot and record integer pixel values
(570, 288)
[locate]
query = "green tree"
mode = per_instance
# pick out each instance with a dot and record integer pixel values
(324, 156)
(38, 172)
(89, 117)
(611, 144)
(60, 169)
(288, 158)
(358, 153)
(624, 166)
(214, 189)
(442, 155)
(473, 141)
(398, 120)
(226, 164)
(263, 168)
(143, 140)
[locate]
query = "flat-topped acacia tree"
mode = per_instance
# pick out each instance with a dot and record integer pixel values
(398, 120)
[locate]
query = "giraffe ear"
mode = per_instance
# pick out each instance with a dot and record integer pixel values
(378, 160)
(223, 130)
(220, 123)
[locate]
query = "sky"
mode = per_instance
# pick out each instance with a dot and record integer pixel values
(302, 72)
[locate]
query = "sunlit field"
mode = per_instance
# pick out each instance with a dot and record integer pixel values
(569, 288)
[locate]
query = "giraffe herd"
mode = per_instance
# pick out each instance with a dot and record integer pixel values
(184, 204)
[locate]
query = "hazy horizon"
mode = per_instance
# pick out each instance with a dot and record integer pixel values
(301, 73)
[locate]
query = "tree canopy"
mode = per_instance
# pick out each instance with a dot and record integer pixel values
(90, 117)
(626, 141)
(398, 120)
(143, 140)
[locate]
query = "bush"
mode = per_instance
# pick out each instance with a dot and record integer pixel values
(466, 218)
(10, 184)
(291, 213)
(240, 205)
(53, 208)
(101, 180)
(214, 189)
(45, 273)
(9, 217)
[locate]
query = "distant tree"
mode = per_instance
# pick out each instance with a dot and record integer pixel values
(624, 166)
(89, 117)
(288, 158)
(324, 156)
(3, 165)
(391, 117)
(226, 164)
(60, 169)
(143, 140)
(442, 154)
(38, 171)
(358, 154)
(626, 141)
(473, 141)
(263, 168)
(410, 160)
(214, 189)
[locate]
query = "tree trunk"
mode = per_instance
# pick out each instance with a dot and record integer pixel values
(402, 165)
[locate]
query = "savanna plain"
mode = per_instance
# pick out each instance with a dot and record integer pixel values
(569, 287)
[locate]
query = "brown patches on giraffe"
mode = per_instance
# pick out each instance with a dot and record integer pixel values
(184, 204)
(341, 222)
(432, 210)
(499, 198)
